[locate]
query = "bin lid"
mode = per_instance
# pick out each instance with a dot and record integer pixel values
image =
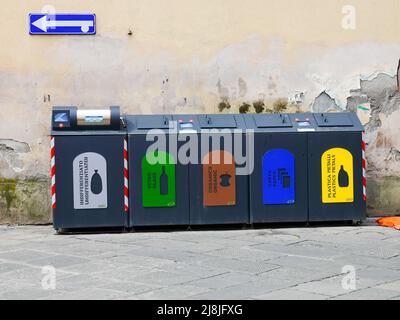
(333, 120)
(152, 122)
(272, 121)
(217, 121)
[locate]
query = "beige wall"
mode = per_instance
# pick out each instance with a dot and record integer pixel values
(208, 50)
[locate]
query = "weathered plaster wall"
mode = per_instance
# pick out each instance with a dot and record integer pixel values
(189, 56)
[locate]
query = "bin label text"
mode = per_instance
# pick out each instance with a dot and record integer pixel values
(90, 181)
(278, 168)
(158, 180)
(337, 176)
(219, 179)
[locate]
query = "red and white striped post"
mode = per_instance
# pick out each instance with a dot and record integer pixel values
(53, 172)
(364, 167)
(126, 187)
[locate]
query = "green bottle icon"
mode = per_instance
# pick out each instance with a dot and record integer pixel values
(158, 182)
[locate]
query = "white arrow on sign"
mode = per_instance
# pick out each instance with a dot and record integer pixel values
(43, 24)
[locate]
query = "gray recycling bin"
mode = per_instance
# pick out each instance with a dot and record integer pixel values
(278, 184)
(112, 171)
(158, 184)
(336, 168)
(87, 168)
(218, 195)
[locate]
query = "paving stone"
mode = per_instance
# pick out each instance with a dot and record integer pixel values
(89, 293)
(58, 261)
(378, 275)
(222, 280)
(192, 269)
(8, 267)
(393, 239)
(298, 274)
(236, 292)
(245, 253)
(361, 262)
(217, 240)
(329, 286)
(308, 262)
(8, 245)
(253, 267)
(94, 267)
(168, 254)
(29, 274)
(77, 282)
(393, 285)
(301, 250)
(23, 255)
(26, 293)
(272, 284)
(163, 278)
(189, 246)
(173, 293)
(291, 294)
(13, 284)
(88, 250)
(128, 287)
(368, 294)
(126, 273)
(260, 237)
(375, 247)
(140, 261)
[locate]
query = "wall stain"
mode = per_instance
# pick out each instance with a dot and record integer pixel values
(7, 192)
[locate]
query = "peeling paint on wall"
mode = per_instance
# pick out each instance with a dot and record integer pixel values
(324, 103)
(11, 152)
(380, 97)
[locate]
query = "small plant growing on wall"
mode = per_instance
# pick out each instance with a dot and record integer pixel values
(259, 106)
(280, 105)
(224, 104)
(244, 108)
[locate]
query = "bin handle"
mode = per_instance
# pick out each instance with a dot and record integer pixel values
(123, 122)
(324, 117)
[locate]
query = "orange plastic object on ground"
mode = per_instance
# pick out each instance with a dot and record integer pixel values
(391, 222)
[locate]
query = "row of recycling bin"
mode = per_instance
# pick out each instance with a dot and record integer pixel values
(155, 170)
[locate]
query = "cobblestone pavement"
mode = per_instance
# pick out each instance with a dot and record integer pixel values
(286, 263)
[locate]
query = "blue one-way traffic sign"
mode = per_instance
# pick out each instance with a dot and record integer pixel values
(62, 23)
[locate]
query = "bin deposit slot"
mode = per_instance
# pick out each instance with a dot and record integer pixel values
(273, 121)
(153, 122)
(217, 121)
(333, 120)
